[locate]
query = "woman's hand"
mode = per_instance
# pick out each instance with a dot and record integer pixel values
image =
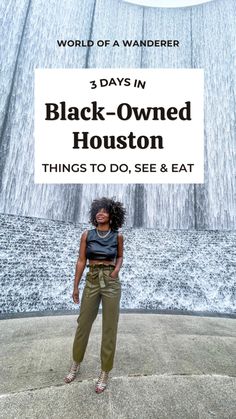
(114, 274)
(75, 295)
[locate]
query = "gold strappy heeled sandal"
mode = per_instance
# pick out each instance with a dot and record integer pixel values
(72, 373)
(101, 383)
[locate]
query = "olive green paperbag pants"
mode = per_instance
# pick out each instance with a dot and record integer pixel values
(99, 286)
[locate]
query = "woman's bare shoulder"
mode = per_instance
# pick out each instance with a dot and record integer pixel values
(84, 234)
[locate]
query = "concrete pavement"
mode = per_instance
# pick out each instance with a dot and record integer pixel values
(166, 366)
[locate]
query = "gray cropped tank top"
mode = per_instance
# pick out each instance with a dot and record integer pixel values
(101, 248)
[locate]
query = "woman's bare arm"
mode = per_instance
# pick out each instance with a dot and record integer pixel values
(119, 258)
(80, 265)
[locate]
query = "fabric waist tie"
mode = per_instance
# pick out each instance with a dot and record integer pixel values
(100, 268)
(101, 279)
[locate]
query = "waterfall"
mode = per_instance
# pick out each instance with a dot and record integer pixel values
(164, 268)
(207, 40)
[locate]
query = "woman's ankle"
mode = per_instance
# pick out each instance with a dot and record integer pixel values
(73, 372)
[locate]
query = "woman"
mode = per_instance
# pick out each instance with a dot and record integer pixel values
(103, 246)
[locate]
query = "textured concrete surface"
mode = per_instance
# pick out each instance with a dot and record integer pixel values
(166, 366)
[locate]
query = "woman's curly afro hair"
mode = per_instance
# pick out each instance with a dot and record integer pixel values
(115, 209)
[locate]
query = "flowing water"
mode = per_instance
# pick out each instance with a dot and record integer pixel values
(207, 39)
(162, 269)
